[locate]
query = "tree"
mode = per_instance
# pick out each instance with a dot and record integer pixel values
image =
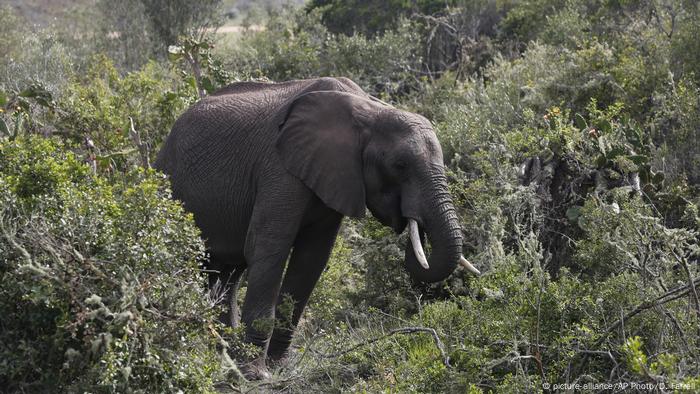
(173, 18)
(371, 17)
(137, 30)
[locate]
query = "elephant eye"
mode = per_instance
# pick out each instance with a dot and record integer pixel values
(400, 165)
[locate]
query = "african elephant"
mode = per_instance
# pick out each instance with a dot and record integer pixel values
(269, 167)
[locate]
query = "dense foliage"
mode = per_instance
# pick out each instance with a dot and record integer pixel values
(571, 133)
(101, 288)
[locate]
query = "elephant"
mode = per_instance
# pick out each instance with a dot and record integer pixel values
(266, 168)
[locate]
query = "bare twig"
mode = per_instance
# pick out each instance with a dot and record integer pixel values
(681, 333)
(92, 154)
(667, 297)
(142, 147)
(440, 21)
(402, 330)
(691, 282)
(197, 71)
(271, 383)
(13, 243)
(221, 386)
(604, 353)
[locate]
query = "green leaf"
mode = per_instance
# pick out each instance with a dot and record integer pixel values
(192, 82)
(203, 45)
(580, 122)
(23, 104)
(28, 92)
(638, 159)
(602, 145)
(600, 161)
(39, 93)
(645, 175)
(3, 98)
(207, 84)
(614, 152)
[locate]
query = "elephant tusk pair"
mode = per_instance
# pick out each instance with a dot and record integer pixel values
(420, 254)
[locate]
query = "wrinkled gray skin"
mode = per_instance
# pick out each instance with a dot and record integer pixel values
(266, 168)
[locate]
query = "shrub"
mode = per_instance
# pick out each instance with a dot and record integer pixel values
(100, 288)
(368, 17)
(99, 105)
(297, 46)
(675, 128)
(570, 138)
(134, 32)
(338, 286)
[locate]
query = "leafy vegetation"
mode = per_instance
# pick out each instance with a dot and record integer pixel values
(101, 287)
(571, 137)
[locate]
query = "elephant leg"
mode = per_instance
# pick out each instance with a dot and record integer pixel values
(224, 278)
(312, 248)
(273, 228)
(264, 279)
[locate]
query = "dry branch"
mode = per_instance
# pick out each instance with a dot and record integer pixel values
(140, 145)
(691, 281)
(8, 234)
(402, 330)
(665, 298)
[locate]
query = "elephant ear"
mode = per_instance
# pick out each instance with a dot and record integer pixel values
(320, 142)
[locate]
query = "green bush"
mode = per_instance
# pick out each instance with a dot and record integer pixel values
(298, 46)
(99, 105)
(100, 288)
(570, 136)
(47, 54)
(370, 17)
(675, 128)
(338, 286)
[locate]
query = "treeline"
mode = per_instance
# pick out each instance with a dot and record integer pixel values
(571, 132)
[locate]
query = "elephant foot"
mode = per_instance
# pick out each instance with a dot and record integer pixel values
(277, 360)
(255, 370)
(277, 356)
(278, 351)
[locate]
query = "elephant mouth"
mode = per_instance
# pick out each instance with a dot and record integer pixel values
(398, 224)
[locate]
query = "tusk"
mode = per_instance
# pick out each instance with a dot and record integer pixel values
(464, 263)
(415, 241)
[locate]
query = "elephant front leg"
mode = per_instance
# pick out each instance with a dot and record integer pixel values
(312, 248)
(272, 231)
(264, 279)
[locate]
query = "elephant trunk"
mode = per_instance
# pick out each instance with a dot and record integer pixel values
(444, 233)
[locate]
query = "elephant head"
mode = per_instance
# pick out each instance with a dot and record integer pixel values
(355, 151)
